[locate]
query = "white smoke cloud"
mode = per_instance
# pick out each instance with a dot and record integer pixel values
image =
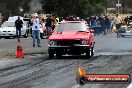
(35, 6)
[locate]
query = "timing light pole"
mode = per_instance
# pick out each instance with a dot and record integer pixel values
(118, 6)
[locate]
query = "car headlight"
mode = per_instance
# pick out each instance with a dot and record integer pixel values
(84, 42)
(52, 43)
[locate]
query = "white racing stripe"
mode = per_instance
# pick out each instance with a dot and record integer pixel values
(76, 86)
(130, 86)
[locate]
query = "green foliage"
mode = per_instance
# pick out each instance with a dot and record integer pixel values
(114, 11)
(40, 12)
(99, 8)
(80, 8)
(8, 7)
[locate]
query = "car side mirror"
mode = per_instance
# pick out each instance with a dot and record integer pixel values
(91, 31)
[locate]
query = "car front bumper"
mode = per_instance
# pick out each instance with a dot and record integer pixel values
(75, 49)
(7, 34)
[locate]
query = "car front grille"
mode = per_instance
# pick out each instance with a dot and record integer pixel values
(68, 42)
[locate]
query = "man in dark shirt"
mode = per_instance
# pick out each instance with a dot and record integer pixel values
(107, 24)
(48, 25)
(18, 24)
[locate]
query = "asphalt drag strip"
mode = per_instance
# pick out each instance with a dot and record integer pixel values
(42, 72)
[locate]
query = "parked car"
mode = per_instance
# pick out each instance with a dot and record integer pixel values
(14, 18)
(122, 30)
(128, 32)
(130, 24)
(73, 38)
(8, 30)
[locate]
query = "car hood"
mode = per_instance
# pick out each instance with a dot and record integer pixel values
(7, 28)
(69, 35)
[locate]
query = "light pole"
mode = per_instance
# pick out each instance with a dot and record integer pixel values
(118, 6)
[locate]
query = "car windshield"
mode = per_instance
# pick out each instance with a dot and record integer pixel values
(71, 26)
(8, 24)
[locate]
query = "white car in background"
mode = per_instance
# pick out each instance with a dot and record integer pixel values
(130, 24)
(8, 30)
(128, 32)
(14, 18)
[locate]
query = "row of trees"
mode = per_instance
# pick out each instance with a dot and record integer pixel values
(8, 7)
(64, 8)
(80, 8)
(13, 5)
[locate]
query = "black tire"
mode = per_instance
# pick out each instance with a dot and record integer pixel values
(82, 81)
(89, 53)
(92, 51)
(51, 55)
(41, 35)
(7, 37)
(14, 37)
(44, 33)
(26, 35)
(58, 55)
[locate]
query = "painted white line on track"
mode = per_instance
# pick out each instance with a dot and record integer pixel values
(76, 86)
(130, 86)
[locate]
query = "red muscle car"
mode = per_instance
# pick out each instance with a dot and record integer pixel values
(72, 38)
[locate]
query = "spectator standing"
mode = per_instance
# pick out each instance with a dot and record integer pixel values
(92, 21)
(70, 18)
(43, 26)
(88, 20)
(126, 20)
(107, 24)
(117, 21)
(53, 20)
(36, 30)
(48, 25)
(19, 25)
(102, 23)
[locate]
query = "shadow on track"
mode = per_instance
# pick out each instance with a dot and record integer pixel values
(68, 57)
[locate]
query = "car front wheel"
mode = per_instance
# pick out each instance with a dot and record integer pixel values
(41, 35)
(58, 55)
(51, 55)
(90, 53)
(26, 35)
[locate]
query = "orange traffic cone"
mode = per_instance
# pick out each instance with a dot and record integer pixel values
(19, 51)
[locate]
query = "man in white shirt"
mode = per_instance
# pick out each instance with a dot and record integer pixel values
(36, 30)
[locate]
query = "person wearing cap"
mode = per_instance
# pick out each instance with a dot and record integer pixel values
(36, 30)
(118, 23)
